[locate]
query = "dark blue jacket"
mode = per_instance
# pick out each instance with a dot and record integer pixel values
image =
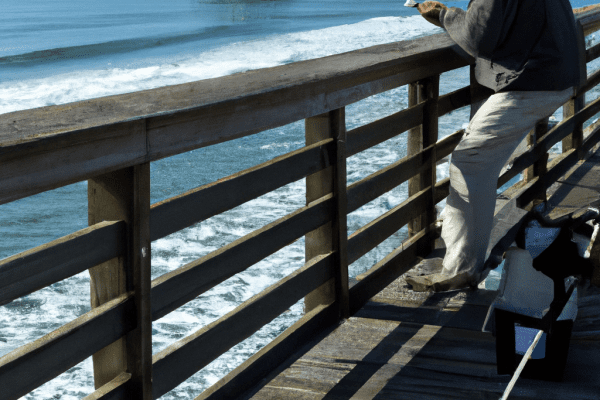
(519, 44)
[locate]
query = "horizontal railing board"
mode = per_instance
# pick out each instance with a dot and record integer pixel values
(545, 143)
(187, 356)
(181, 118)
(589, 18)
(445, 146)
(198, 204)
(63, 144)
(52, 262)
(291, 343)
(366, 136)
(49, 162)
(396, 263)
(592, 81)
(384, 180)
(117, 389)
(177, 287)
(370, 235)
(592, 53)
(35, 363)
(454, 100)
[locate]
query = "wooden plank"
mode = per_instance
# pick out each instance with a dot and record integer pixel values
(414, 145)
(139, 341)
(79, 140)
(340, 214)
(252, 371)
(117, 389)
(446, 146)
(198, 204)
(184, 358)
(366, 136)
(44, 265)
(593, 79)
(430, 91)
(321, 240)
(177, 287)
(548, 140)
(389, 268)
(454, 100)
(125, 195)
(47, 162)
(184, 117)
(589, 17)
(592, 53)
(376, 231)
(384, 180)
(574, 105)
(35, 363)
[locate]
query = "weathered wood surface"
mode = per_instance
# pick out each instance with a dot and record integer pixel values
(113, 132)
(44, 265)
(198, 204)
(406, 345)
(174, 289)
(184, 358)
(117, 389)
(29, 366)
(282, 351)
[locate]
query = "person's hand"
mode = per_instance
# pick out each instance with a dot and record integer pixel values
(430, 10)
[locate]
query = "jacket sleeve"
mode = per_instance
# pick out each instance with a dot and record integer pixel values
(476, 30)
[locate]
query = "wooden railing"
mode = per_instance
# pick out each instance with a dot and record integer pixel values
(111, 141)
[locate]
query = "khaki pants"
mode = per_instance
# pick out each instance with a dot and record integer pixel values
(492, 136)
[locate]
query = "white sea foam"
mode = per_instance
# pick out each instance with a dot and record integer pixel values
(236, 57)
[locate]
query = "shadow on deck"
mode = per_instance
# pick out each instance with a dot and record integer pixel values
(406, 345)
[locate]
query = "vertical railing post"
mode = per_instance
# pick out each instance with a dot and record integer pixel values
(413, 146)
(539, 168)
(426, 135)
(576, 104)
(125, 195)
(332, 236)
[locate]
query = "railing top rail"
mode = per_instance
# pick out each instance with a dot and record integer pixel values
(49, 147)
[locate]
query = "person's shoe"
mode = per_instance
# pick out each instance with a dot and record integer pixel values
(440, 283)
(420, 283)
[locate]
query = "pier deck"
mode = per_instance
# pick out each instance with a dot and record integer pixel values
(406, 345)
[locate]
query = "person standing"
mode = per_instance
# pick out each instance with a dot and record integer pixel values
(528, 53)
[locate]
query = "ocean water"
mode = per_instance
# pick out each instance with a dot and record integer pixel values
(55, 52)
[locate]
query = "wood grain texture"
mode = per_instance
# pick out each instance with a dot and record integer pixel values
(198, 204)
(117, 389)
(379, 131)
(177, 287)
(184, 358)
(370, 235)
(44, 265)
(79, 140)
(384, 180)
(290, 345)
(35, 363)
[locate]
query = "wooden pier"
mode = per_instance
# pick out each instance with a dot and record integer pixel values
(365, 339)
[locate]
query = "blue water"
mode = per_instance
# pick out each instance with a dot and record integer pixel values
(55, 52)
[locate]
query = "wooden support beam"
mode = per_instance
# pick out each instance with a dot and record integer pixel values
(331, 236)
(576, 104)
(426, 91)
(174, 289)
(59, 259)
(125, 195)
(198, 204)
(539, 167)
